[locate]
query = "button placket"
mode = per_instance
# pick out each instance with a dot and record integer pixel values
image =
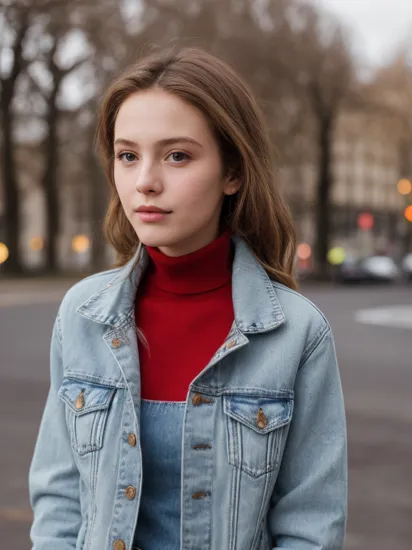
(129, 456)
(197, 493)
(197, 400)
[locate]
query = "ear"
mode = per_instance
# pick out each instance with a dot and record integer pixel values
(232, 185)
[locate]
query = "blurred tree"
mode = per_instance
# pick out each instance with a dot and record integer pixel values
(58, 28)
(323, 71)
(298, 66)
(91, 26)
(15, 24)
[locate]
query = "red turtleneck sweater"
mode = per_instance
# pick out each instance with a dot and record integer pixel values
(184, 308)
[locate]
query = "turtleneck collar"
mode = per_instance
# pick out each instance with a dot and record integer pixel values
(204, 270)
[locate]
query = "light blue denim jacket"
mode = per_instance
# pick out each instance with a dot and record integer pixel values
(264, 438)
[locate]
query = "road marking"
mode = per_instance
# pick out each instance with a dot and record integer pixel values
(19, 515)
(391, 316)
(12, 299)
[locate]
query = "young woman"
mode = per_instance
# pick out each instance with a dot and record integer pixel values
(195, 398)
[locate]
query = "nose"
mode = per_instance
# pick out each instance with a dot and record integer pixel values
(148, 180)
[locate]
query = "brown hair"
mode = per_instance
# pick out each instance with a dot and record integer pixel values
(257, 211)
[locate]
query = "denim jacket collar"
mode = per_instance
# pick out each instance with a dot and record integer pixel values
(257, 308)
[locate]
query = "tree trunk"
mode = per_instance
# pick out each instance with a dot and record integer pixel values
(98, 206)
(50, 186)
(13, 265)
(324, 186)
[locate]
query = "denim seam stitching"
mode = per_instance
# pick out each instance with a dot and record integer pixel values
(314, 344)
(283, 288)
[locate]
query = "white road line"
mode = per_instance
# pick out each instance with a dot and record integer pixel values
(12, 299)
(392, 316)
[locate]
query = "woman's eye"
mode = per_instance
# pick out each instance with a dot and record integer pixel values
(178, 156)
(126, 157)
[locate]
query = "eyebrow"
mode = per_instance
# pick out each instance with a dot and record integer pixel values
(162, 142)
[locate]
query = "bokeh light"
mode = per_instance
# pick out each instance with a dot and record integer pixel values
(304, 251)
(365, 221)
(336, 255)
(4, 253)
(404, 186)
(37, 243)
(80, 243)
(408, 213)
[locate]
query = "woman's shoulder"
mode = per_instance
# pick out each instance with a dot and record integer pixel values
(301, 314)
(306, 324)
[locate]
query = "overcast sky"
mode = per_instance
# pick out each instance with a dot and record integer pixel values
(379, 26)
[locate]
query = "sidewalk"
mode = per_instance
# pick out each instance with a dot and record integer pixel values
(28, 292)
(28, 284)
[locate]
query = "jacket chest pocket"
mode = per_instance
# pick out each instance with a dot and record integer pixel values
(87, 407)
(256, 430)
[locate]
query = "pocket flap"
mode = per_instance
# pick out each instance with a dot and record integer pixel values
(84, 397)
(271, 412)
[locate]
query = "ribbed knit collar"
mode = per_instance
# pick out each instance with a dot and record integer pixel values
(202, 271)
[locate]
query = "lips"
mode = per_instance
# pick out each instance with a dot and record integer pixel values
(151, 214)
(152, 209)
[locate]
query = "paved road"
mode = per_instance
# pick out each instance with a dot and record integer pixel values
(375, 355)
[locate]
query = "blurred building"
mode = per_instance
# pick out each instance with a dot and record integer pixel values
(367, 165)
(367, 168)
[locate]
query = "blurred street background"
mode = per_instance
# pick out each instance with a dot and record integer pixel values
(334, 78)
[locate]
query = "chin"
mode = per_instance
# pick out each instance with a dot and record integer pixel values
(156, 239)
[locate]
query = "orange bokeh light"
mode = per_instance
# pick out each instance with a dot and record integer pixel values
(404, 186)
(36, 243)
(408, 213)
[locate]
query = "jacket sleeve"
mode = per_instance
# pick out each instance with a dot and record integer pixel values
(308, 506)
(53, 477)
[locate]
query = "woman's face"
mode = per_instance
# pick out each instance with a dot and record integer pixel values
(166, 157)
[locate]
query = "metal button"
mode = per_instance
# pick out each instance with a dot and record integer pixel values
(201, 446)
(79, 404)
(131, 439)
(116, 342)
(261, 420)
(199, 495)
(130, 492)
(196, 399)
(119, 544)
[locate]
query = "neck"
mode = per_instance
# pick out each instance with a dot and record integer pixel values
(206, 269)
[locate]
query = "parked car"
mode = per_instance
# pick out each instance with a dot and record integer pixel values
(406, 267)
(369, 269)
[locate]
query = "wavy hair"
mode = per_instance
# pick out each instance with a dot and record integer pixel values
(257, 212)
